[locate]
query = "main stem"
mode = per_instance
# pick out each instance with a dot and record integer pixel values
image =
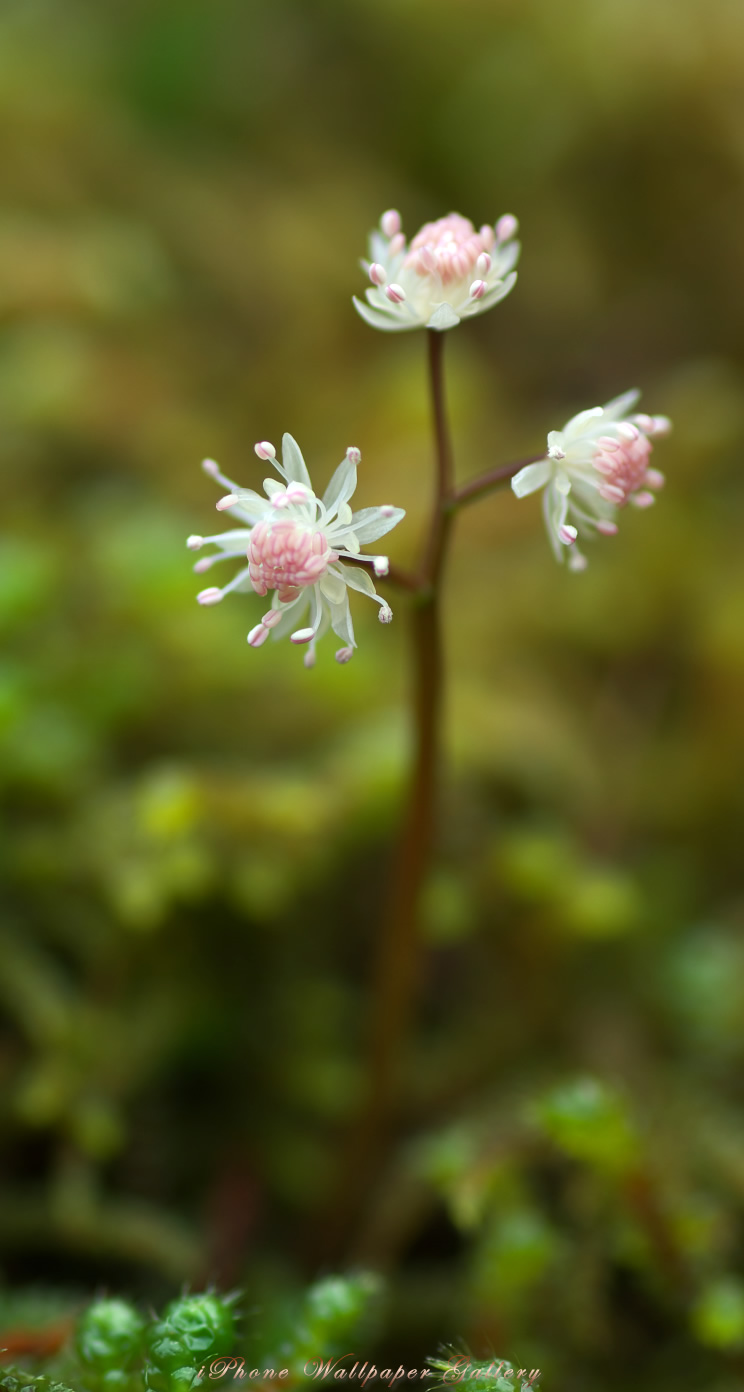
(395, 981)
(399, 943)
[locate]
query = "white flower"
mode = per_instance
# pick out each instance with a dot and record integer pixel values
(594, 466)
(293, 543)
(448, 273)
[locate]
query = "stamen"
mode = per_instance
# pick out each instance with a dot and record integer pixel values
(354, 455)
(302, 635)
(194, 542)
(258, 635)
(567, 534)
(227, 502)
(209, 596)
(309, 657)
(265, 450)
(390, 222)
(395, 293)
(483, 264)
(344, 655)
(654, 478)
(478, 289)
(386, 614)
(377, 273)
(506, 227)
(381, 565)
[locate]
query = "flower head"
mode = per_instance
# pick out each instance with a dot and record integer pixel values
(594, 466)
(293, 544)
(448, 273)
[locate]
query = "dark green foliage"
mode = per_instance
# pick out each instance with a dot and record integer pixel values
(193, 1331)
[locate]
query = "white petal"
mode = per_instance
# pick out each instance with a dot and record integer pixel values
(294, 468)
(618, 409)
(251, 507)
(380, 320)
(349, 541)
(341, 486)
(341, 622)
(332, 587)
(357, 579)
(507, 258)
(580, 424)
(444, 317)
(555, 507)
(370, 523)
(531, 477)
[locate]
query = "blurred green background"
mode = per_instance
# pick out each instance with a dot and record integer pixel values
(195, 834)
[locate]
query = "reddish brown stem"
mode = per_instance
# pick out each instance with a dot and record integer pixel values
(494, 478)
(396, 971)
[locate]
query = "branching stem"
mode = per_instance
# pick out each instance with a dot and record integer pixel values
(396, 970)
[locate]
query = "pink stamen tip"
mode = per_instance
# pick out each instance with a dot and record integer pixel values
(642, 500)
(577, 562)
(228, 501)
(477, 289)
(203, 564)
(483, 264)
(265, 450)
(381, 565)
(395, 293)
(309, 657)
(627, 431)
(386, 614)
(390, 222)
(258, 635)
(210, 596)
(210, 467)
(662, 425)
(612, 493)
(397, 244)
(354, 455)
(607, 528)
(302, 635)
(271, 618)
(344, 655)
(387, 510)
(654, 478)
(377, 273)
(506, 227)
(644, 423)
(608, 443)
(297, 493)
(567, 535)
(194, 543)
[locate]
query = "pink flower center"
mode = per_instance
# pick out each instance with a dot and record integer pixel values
(449, 248)
(286, 556)
(623, 464)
